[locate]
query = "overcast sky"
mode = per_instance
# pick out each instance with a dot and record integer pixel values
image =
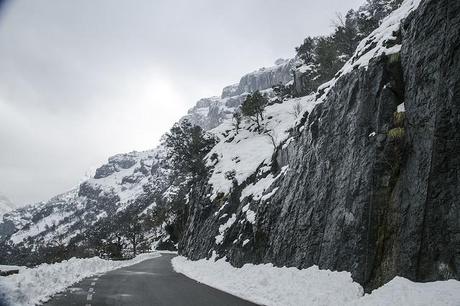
(83, 80)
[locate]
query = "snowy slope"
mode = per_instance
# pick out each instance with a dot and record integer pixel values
(65, 216)
(240, 153)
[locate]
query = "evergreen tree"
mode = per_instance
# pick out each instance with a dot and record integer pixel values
(327, 59)
(306, 51)
(253, 107)
(346, 36)
(371, 14)
(188, 144)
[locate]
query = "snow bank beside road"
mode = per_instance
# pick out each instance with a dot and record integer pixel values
(268, 285)
(36, 285)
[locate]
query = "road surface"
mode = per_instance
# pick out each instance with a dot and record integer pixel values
(152, 282)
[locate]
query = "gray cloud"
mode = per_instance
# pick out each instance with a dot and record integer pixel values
(82, 80)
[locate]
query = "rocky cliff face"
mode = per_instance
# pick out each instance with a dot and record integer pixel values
(430, 184)
(266, 77)
(211, 112)
(367, 181)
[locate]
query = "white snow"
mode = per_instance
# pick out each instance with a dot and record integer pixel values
(9, 267)
(219, 238)
(401, 108)
(250, 215)
(33, 286)
(146, 210)
(258, 188)
(249, 149)
(114, 183)
(51, 220)
(268, 285)
(401, 291)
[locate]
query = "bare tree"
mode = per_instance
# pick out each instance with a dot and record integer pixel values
(296, 109)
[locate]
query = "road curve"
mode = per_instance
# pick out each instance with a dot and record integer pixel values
(152, 282)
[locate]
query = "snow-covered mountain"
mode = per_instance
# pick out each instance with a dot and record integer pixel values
(114, 187)
(5, 205)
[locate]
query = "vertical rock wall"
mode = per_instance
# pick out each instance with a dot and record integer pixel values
(369, 189)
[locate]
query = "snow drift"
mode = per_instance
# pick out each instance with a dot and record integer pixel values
(268, 285)
(33, 286)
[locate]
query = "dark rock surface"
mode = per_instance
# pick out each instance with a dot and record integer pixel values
(368, 190)
(117, 162)
(429, 198)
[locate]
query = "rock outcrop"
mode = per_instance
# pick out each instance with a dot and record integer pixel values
(209, 113)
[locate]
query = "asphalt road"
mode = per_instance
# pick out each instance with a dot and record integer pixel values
(152, 282)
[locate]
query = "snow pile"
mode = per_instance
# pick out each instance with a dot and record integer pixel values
(36, 285)
(401, 291)
(268, 285)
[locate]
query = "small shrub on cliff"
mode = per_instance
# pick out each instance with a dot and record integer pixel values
(396, 133)
(398, 119)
